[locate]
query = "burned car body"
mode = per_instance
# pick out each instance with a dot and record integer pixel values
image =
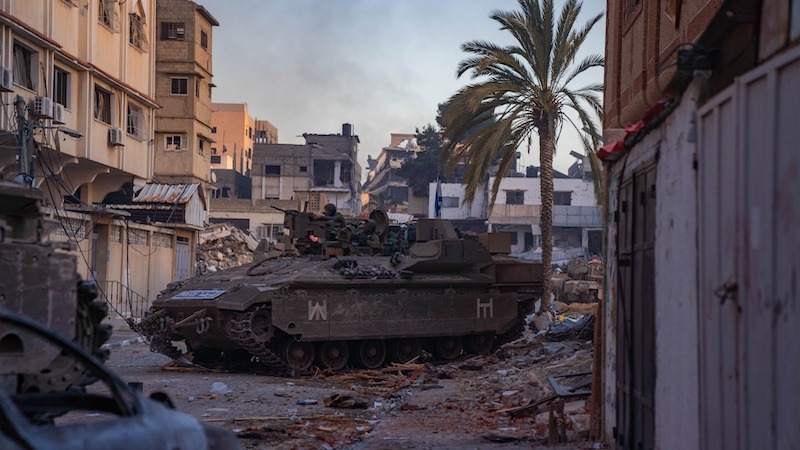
(445, 294)
(140, 422)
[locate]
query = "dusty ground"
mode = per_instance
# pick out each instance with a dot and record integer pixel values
(459, 405)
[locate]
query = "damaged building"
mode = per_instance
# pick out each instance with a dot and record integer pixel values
(323, 170)
(700, 316)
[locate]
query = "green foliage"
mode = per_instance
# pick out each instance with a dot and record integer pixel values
(425, 167)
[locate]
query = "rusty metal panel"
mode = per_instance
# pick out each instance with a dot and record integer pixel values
(787, 248)
(748, 222)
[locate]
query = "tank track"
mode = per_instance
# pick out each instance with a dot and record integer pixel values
(240, 329)
(90, 333)
(156, 325)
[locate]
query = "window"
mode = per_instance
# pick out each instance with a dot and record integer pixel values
(512, 237)
(180, 86)
(108, 14)
(138, 37)
(204, 40)
(61, 87)
(197, 88)
(201, 149)
(515, 197)
(215, 159)
(102, 105)
(213, 130)
(562, 198)
(213, 150)
(304, 169)
(272, 170)
(26, 64)
(172, 31)
(175, 142)
(450, 202)
(250, 132)
(136, 125)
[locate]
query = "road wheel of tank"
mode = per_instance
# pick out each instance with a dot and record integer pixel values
(448, 347)
(404, 350)
(299, 355)
(370, 354)
(333, 355)
(261, 324)
(480, 344)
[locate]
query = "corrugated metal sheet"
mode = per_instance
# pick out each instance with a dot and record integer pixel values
(166, 193)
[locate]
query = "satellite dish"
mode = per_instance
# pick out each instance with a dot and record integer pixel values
(213, 177)
(381, 220)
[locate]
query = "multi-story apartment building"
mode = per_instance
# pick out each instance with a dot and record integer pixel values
(183, 49)
(323, 170)
(235, 131)
(79, 77)
(382, 180)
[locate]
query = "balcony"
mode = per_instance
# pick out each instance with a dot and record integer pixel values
(515, 214)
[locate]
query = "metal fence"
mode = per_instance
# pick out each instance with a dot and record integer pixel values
(123, 300)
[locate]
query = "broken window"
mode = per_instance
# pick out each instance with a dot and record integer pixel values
(102, 105)
(175, 142)
(136, 126)
(515, 197)
(347, 172)
(173, 31)
(108, 14)
(138, 37)
(26, 63)
(563, 198)
(323, 173)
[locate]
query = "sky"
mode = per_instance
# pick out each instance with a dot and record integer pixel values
(308, 66)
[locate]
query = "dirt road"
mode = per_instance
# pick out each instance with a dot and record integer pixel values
(460, 405)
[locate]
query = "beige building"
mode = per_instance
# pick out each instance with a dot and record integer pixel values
(183, 48)
(82, 76)
(235, 131)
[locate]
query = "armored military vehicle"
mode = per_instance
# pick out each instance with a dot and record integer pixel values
(333, 303)
(40, 280)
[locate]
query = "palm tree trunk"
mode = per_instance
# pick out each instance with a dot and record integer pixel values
(546, 150)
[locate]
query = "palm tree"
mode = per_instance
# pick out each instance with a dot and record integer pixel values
(527, 88)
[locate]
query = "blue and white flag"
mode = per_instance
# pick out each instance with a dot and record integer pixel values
(437, 208)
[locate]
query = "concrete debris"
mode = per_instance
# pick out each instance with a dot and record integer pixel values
(220, 388)
(222, 246)
(579, 281)
(572, 329)
(345, 401)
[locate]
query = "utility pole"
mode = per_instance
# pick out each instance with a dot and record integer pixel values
(23, 158)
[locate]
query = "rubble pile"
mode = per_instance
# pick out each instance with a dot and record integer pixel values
(578, 281)
(222, 246)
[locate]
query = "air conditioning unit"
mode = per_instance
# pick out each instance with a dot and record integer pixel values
(6, 80)
(58, 113)
(116, 137)
(43, 107)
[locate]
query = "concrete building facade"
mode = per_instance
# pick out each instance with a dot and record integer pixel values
(382, 179)
(323, 170)
(183, 49)
(83, 77)
(699, 316)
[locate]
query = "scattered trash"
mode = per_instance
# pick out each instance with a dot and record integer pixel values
(509, 393)
(220, 388)
(307, 401)
(344, 401)
(582, 329)
(190, 399)
(503, 372)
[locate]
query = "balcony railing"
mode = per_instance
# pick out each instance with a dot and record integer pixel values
(123, 300)
(515, 213)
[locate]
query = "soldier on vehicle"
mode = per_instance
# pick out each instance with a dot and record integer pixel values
(367, 235)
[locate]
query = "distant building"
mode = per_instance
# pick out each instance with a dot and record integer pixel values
(183, 138)
(323, 170)
(235, 131)
(382, 180)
